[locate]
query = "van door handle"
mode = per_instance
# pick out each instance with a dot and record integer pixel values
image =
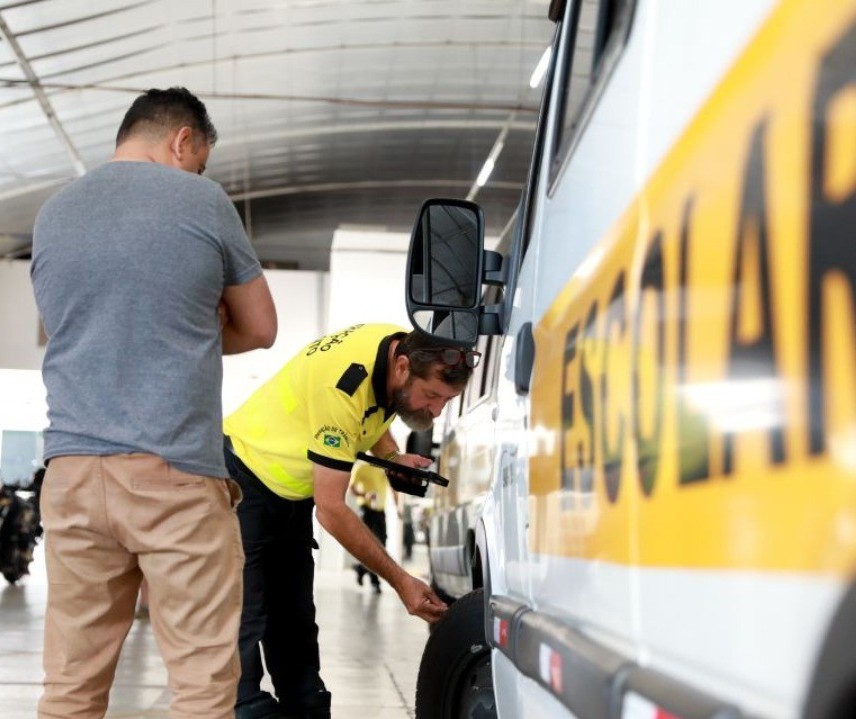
(524, 358)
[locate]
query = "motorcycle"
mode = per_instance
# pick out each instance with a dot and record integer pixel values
(20, 528)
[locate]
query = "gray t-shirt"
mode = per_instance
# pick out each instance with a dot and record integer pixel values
(129, 265)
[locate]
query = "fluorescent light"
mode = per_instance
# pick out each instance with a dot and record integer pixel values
(492, 156)
(540, 69)
(487, 168)
(490, 162)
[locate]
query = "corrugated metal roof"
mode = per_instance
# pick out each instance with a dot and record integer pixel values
(329, 111)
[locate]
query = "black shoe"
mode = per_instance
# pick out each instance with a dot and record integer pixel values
(376, 588)
(361, 573)
(261, 706)
(313, 706)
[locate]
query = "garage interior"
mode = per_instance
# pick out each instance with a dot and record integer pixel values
(336, 120)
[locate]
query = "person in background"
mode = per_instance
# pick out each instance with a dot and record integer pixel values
(369, 486)
(291, 447)
(417, 443)
(144, 278)
(408, 535)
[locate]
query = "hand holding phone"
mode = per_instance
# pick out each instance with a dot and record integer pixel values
(413, 480)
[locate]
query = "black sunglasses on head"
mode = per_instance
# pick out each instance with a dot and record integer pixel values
(453, 356)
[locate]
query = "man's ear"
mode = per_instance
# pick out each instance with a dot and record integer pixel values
(401, 370)
(181, 142)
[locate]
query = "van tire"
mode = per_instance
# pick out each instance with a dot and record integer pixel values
(447, 598)
(832, 693)
(455, 679)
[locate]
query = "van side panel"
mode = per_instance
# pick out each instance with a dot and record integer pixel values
(694, 393)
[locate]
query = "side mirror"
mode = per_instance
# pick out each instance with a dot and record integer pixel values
(444, 270)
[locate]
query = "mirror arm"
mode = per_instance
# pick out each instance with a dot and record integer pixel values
(495, 268)
(556, 10)
(492, 319)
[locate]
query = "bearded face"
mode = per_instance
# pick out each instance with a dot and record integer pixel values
(417, 419)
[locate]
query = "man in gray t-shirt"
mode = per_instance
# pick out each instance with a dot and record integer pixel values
(144, 277)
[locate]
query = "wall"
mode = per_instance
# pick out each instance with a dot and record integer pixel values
(300, 299)
(367, 278)
(22, 395)
(19, 320)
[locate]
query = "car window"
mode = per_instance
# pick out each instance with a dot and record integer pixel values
(597, 34)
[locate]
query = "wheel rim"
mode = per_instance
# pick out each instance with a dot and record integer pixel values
(473, 694)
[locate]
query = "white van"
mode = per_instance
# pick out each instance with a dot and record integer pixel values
(655, 468)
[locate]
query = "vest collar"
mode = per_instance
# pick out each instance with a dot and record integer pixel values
(380, 371)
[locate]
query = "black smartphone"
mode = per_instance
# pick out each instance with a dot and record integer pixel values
(425, 475)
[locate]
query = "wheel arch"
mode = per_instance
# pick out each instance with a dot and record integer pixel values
(482, 557)
(476, 563)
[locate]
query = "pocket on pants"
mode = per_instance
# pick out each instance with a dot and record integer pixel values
(235, 492)
(157, 475)
(169, 496)
(68, 481)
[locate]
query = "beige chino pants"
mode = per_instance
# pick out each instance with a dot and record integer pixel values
(108, 522)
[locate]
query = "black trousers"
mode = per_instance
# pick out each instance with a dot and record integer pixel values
(279, 607)
(375, 520)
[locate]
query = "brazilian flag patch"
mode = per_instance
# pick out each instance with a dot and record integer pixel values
(331, 440)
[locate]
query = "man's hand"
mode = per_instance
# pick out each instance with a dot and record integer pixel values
(412, 460)
(338, 519)
(408, 460)
(419, 599)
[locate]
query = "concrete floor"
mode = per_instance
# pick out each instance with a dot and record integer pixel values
(370, 651)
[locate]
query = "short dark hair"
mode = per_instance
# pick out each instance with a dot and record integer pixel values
(420, 349)
(158, 111)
